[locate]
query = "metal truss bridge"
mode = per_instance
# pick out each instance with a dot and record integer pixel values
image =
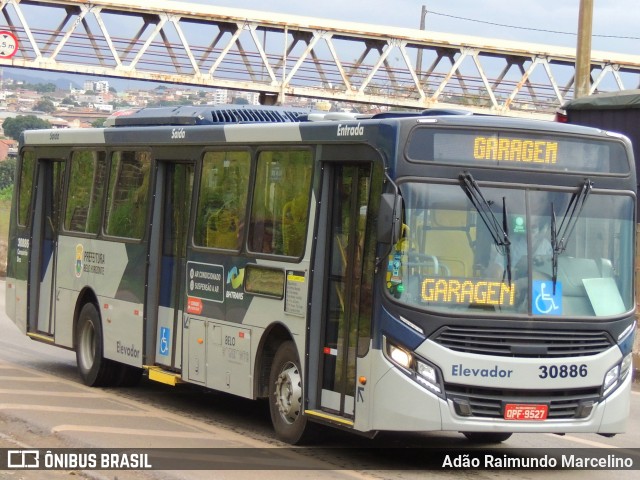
(290, 56)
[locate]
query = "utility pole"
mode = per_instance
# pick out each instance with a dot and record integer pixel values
(423, 15)
(582, 85)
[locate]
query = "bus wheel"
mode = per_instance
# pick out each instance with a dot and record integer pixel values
(95, 370)
(128, 376)
(486, 437)
(285, 395)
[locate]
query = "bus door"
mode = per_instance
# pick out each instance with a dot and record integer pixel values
(165, 296)
(345, 293)
(44, 240)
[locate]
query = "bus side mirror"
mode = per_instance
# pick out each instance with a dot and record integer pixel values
(389, 214)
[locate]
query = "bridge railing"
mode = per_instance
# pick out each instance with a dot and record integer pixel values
(284, 55)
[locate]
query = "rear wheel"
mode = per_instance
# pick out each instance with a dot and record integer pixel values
(128, 376)
(285, 395)
(95, 370)
(486, 437)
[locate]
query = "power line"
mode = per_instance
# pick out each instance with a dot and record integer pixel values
(527, 28)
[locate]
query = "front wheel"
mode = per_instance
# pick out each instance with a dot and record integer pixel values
(95, 370)
(285, 395)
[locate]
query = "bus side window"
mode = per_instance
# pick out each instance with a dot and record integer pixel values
(280, 210)
(222, 203)
(25, 187)
(127, 197)
(86, 191)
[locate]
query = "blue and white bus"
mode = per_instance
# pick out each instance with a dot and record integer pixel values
(406, 272)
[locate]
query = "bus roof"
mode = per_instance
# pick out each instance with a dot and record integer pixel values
(228, 123)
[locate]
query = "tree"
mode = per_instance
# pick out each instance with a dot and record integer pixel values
(7, 171)
(98, 122)
(68, 101)
(44, 87)
(13, 127)
(45, 105)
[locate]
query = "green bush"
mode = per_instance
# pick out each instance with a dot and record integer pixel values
(7, 173)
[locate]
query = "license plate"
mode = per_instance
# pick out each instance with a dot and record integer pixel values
(525, 412)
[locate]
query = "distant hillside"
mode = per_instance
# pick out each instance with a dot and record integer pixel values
(63, 81)
(33, 77)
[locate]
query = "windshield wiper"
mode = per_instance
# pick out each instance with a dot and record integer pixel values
(561, 234)
(483, 207)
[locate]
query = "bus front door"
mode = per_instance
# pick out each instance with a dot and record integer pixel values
(45, 224)
(343, 311)
(165, 298)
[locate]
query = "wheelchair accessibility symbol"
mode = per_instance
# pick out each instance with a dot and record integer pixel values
(165, 334)
(544, 302)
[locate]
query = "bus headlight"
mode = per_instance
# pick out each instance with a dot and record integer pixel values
(611, 377)
(427, 372)
(624, 366)
(419, 370)
(400, 356)
(428, 377)
(616, 375)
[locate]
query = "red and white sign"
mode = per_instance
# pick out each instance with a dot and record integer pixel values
(194, 305)
(8, 44)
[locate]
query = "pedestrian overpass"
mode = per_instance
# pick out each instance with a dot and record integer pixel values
(284, 56)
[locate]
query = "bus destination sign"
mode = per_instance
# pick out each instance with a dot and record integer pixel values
(509, 149)
(467, 291)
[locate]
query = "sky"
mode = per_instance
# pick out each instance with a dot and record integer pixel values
(535, 19)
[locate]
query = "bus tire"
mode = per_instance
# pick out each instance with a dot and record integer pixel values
(285, 395)
(128, 376)
(95, 370)
(486, 437)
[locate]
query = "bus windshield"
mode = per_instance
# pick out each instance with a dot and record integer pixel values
(451, 259)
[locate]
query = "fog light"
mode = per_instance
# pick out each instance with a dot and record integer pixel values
(584, 409)
(463, 407)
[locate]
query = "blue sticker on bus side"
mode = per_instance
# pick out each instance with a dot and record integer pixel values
(544, 300)
(165, 335)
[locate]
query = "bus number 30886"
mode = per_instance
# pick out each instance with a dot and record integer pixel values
(563, 371)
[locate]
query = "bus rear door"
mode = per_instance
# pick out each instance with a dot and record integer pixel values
(165, 298)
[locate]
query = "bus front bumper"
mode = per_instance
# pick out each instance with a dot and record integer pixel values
(401, 404)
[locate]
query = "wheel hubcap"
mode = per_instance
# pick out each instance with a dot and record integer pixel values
(289, 393)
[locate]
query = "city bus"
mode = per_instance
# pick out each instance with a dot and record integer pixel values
(427, 271)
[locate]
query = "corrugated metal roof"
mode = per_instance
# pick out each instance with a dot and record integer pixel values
(606, 101)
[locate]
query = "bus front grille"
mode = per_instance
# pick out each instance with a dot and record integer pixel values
(489, 402)
(523, 343)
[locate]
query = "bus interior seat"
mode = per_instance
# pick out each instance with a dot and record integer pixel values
(449, 241)
(222, 229)
(294, 223)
